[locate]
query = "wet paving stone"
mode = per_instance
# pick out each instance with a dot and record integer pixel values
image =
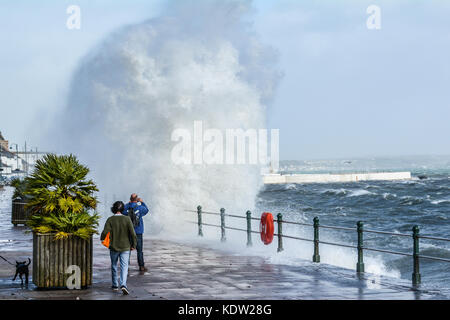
(182, 271)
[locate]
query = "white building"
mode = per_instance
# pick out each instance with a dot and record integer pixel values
(10, 163)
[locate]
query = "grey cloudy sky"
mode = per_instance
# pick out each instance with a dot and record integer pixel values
(346, 92)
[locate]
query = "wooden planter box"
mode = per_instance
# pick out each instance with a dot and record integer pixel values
(52, 257)
(19, 215)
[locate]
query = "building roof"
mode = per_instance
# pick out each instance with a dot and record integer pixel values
(6, 153)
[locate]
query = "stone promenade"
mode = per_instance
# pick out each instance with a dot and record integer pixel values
(181, 271)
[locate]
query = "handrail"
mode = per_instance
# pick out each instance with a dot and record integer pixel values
(291, 237)
(388, 251)
(389, 233)
(275, 234)
(434, 258)
(329, 227)
(338, 244)
(338, 228)
(215, 225)
(434, 238)
(332, 243)
(296, 223)
(316, 257)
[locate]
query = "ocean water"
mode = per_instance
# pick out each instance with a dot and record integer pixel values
(394, 206)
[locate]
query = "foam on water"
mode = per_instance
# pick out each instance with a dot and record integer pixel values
(395, 207)
(440, 201)
(359, 192)
(335, 191)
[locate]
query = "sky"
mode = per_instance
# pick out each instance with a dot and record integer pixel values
(346, 91)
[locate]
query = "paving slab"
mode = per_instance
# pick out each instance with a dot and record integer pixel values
(187, 271)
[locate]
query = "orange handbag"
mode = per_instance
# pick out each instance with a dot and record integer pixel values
(107, 240)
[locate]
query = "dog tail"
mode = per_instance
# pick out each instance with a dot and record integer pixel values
(29, 261)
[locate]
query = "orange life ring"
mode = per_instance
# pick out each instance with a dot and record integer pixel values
(266, 227)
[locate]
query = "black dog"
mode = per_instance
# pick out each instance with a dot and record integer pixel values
(22, 269)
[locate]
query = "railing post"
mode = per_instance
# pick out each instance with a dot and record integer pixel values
(280, 232)
(199, 214)
(222, 224)
(360, 264)
(249, 228)
(316, 256)
(416, 271)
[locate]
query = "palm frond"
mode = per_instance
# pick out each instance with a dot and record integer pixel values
(60, 197)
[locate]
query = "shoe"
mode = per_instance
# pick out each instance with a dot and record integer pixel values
(115, 288)
(143, 269)
(124, 290)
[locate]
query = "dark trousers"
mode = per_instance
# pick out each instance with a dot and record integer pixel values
(139, 249)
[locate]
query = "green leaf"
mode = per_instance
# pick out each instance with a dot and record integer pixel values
(60, 197)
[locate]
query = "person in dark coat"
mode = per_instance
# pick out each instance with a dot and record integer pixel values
(122, 240)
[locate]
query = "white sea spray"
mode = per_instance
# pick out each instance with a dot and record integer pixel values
(200, 60)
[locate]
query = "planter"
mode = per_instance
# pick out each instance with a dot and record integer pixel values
(19, 215)
(52, 257)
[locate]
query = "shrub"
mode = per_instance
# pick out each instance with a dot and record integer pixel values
(19, 188)
(60, 197)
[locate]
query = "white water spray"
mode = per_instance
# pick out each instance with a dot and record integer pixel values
(199, 60)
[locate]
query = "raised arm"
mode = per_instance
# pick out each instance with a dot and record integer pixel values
(143, 210)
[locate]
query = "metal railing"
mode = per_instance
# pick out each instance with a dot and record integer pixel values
(416, 277)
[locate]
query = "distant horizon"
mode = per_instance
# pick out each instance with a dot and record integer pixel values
(374, 157)
(355, 157)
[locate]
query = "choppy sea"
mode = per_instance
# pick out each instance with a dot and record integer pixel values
(393, 206)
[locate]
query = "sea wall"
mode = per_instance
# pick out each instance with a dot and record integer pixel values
(328, 177)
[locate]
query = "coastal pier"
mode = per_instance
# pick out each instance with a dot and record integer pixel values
(334, 177)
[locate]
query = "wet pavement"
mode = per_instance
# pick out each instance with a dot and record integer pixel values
(194, 271)
(178, 271)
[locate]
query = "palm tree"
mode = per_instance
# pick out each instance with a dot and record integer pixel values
(19, 188)
(60, 197)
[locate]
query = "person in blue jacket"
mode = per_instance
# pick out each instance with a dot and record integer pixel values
(140, 209)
